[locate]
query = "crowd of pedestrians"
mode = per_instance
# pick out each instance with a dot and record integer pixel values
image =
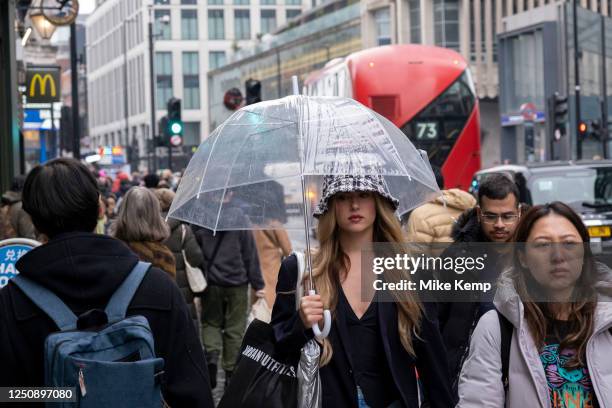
(512, 351)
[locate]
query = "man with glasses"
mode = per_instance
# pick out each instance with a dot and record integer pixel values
(493, 220)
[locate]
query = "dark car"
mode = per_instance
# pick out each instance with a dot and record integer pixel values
(584, 185)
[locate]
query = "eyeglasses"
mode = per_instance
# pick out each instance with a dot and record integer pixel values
(507, 219)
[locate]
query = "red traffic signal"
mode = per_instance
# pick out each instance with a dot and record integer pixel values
(583, 128)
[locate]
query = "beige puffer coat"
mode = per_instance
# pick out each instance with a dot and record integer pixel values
(480, 385)
(433, 221)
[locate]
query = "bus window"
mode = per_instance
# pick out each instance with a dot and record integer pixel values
(437, 127)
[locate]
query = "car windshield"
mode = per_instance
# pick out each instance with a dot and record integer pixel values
(575, 186)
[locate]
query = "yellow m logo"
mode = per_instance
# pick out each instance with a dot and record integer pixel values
(42, 85)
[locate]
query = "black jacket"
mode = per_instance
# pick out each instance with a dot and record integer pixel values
(84, 270)
(457, 320)
(236, 262)
(192, 249)
(338, 384)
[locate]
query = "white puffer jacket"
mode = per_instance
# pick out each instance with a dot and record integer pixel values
(480, 385)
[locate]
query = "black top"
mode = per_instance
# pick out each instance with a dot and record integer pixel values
(365, 348)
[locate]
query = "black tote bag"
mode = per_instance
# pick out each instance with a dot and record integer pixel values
(264, 376)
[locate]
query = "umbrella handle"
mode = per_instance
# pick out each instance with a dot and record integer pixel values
(321, 334)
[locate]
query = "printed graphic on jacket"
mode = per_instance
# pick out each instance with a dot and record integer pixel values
(569, 388)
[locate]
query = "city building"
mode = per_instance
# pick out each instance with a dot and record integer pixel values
(538, 82)
(189, 38)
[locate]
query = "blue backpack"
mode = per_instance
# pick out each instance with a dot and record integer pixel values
(112, 365)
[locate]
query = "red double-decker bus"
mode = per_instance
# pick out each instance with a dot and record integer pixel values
(427, 92)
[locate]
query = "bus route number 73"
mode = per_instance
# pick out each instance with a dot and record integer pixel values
(426, 130)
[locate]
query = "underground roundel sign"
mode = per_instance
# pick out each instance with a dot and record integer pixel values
(10, 252)
(233, 99)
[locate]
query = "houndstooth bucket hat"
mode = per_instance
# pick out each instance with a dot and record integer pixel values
(333, 185)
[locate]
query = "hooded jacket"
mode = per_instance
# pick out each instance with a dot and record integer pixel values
(480, 383)
(84, 270)
(434, 221)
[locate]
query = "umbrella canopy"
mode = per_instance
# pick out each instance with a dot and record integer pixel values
(254, 171)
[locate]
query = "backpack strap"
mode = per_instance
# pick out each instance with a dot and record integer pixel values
(506, 329)
(48, 302)
(121, 299)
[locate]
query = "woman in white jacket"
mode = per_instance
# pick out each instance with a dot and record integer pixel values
(558, 303)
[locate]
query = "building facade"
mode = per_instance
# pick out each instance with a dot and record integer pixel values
(190, 38)
(537, 62)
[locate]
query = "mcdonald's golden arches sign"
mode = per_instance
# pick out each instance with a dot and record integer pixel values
(43, 84)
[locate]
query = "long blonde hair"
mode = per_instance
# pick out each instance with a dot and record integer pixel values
(331, 263)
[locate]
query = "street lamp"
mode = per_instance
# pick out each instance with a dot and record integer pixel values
(43, 27)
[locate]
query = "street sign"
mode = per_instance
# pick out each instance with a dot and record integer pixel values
(10, 252)
(43, 84)
(176, 140)
(528, 111)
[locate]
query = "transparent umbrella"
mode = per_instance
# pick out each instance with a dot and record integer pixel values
(263, 167)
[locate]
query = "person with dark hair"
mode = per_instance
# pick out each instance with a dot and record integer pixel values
(17, 220)
(231, 264)
(493, 220)
(548, 344)
(84, 270)
(433, 221)
(151, 180)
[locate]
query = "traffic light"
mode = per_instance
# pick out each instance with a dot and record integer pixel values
(560, 111)
(253, 91)
(162, 140)
(175, 123)
(583, 129)
(596, 130)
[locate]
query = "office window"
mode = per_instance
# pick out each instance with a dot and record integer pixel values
(163, 73)
(162, 24)
(241, 2)
(242, 24)
(216, 59)
(267, 2)
(191, 80)
(293, 2)
(215, 2)
(216, 26)
(415, 21)
(446, 23)
(268, 21)
(189, 24)
(164, 2)
(383, 26)
(292, 13)
(188, 2)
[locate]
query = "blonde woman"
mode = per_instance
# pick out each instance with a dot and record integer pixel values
(140, 225)
(370, 356)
